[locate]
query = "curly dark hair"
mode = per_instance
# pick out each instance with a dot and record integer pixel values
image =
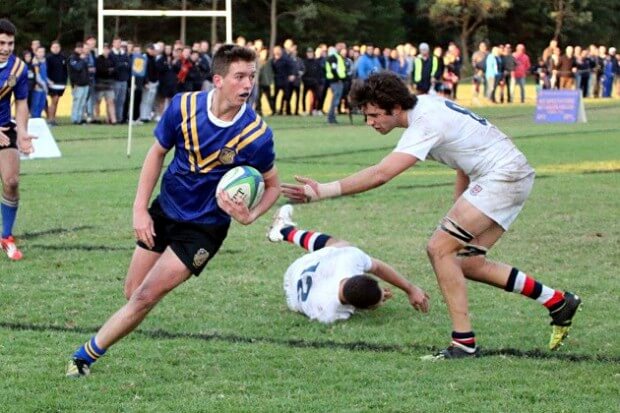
(383, 89)
(230, 53)
(362, 291)
(7, 27)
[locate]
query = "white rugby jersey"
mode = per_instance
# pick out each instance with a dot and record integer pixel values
(311, 283)
(441, 130)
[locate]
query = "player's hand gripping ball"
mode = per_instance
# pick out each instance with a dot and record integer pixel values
(243, 184)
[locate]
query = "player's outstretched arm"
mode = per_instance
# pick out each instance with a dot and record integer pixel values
(309, 190)
(417, 297)
(143, 227)
(240, 212)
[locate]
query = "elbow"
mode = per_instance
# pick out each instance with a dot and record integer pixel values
(380, 178)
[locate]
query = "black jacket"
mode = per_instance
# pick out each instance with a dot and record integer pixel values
(57, 68)
(122, 66)
(78, 71)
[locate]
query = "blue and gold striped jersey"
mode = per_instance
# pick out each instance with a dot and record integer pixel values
(13, 78)
(205, 149)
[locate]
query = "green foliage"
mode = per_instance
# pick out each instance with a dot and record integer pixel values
(310, 22)
(458, 12)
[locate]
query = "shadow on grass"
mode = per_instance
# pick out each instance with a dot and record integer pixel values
(53, 231)
(320, 344)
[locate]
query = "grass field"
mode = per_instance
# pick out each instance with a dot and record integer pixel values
(225, 342)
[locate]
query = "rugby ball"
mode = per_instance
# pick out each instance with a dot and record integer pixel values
(243, 184)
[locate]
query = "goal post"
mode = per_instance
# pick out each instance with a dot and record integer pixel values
(102, 12)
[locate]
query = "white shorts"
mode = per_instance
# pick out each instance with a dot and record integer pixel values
(499, 198)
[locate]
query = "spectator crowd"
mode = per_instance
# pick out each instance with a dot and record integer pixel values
(299, 82)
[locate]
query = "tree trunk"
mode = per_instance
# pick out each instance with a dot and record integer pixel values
(464, 40)
(59, 27)
(117, 23)
(559, 18)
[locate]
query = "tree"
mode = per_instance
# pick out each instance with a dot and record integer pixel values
(301, 12)
(567, 13)
(466, 15)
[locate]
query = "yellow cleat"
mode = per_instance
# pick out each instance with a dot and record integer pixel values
(558, 334)
(562, 319)
(77, 368)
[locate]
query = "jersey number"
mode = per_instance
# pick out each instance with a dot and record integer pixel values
(306, 275)
(301, 294)
(461, 109)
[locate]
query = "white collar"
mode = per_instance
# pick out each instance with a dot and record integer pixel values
(217, 121)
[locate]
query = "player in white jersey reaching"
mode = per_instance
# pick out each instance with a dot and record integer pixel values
(493, 181)
(330, 282)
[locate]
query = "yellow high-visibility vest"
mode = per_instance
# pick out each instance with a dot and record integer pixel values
(341, 68)
(418, 67)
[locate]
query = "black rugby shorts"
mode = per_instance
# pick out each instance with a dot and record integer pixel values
(194, 244)
(12, 134)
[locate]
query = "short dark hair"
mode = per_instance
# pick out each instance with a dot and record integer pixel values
(361, 291)
(228, 54)
(6, 27)
(383, 89)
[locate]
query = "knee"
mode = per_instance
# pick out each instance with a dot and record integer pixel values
(143, 299)
(11, 185)
(436, 249)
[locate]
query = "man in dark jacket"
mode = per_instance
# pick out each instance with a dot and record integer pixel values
(78, 74)
(122, 73)
(104, 84)
(283, 72)
(57, 74)
(313, 79)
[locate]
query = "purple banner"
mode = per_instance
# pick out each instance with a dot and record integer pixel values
(559, 106)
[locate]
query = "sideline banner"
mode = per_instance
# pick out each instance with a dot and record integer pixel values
(559, 106)
(45, 145)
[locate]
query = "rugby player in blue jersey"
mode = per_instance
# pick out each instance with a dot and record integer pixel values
(13, 135)
(211, 132)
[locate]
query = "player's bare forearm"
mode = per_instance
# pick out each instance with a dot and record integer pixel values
(151, 169)
(392, 165)
(309, 190)
(271, 195)
(21, 117)
(460, 184)
(417, 297)
(388, 274)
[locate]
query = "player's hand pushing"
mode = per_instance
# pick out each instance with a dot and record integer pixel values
(306, 191)
(418, 299)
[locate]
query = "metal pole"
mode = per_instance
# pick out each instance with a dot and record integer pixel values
(99, 27)
(130, 114)
(229, 33)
